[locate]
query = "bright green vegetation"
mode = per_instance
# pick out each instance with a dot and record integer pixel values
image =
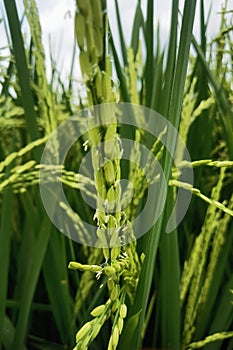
(169, 291)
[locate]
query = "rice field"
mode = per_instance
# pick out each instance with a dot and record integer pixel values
(79, 164)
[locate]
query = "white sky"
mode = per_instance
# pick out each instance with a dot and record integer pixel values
(56, 18)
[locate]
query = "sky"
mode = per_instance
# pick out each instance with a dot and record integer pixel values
(57, 21)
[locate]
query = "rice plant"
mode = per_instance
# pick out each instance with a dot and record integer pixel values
(168, 291)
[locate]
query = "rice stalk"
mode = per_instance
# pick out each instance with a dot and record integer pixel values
(96, 69)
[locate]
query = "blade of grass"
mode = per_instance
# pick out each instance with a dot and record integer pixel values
(42, 344)
(130, 327)
(8, 334)
(149, 40)
(171, 61)
(123, 85)
(168, 285)
(71, 67)
(221, 98)
(182, 62)
(28, 239)
(137, 25)
(121, 36)
(22, 70)
(14, 304)
(158, 82)
(29, 283)
(6, 215)
(56, 280)
(5, 239)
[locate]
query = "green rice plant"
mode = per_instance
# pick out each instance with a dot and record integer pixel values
(31, 244)
(120, 263)
(168, 291)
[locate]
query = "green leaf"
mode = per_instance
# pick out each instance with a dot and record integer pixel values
(168, 285)
(56, 280)
(221, 98)
(137, 25)
(120, 29)
(28, 284)
(22, 70)
(5, 239)
(120, 74)
(128, 331)
(8, 332)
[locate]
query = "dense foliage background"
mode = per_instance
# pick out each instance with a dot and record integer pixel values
(183, 298)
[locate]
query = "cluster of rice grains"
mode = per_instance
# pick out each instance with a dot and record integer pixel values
(121, 266)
